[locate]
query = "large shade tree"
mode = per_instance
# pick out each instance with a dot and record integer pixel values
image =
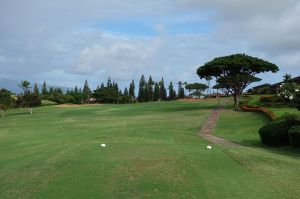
(236, 72)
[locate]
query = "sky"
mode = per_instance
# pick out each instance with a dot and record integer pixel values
(65, 41)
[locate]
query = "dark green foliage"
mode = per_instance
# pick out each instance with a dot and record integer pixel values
(162, 90)
(25, 85)
(142, 88)
(44, 89)
(28, 100)
(147, 93)
(172, 93)
(109, 83)
(77, 97)
(270, 101)
(63, 99)
(294, 134)
(235, 72)
(132, 89)
(156, 92)
(57, 95)
(276, 133)
(196, 89)
(36, 89)
(180, 90)
(102, 85)
(126, 92)
(86, 92)
(150, 88)
(116, 86)
(76, 89)
(5, 100)
(287, 78)
(106, 95)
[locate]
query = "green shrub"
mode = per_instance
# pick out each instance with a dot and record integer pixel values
(276, 133)
(294, 135)
(266, 98)
(270, 101)
(289, 116)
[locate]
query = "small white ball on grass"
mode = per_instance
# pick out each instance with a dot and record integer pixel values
(103, 145)
(209, 147)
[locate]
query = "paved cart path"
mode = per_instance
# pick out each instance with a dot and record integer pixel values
(207, 129)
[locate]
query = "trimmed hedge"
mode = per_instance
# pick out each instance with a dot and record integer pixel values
(294, 134)
(276, 133)
(266, 111)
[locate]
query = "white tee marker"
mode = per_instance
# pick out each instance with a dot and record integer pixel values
(103, 145)
(209, 147)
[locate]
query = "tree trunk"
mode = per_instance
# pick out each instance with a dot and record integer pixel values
(3, 113)
(218, 96)
(30, 110)
(236, 102)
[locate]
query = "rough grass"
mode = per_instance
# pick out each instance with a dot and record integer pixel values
(153, 151)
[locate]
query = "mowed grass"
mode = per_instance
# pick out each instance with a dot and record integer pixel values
(153, 151)
(280, 167)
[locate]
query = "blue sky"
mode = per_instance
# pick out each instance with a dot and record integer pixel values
(65, 42)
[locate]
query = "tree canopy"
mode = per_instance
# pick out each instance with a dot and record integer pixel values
(196, 89)
(236, 72)
(5, 100)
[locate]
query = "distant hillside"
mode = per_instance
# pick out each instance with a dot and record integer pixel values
(12, 85)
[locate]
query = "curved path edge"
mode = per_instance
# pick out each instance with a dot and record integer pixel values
(206, 131)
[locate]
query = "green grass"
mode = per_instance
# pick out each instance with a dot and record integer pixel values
(280, 167)
(153, 151)
(253, 100)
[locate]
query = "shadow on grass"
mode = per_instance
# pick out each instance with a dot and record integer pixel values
(16, 113)
(284, 150)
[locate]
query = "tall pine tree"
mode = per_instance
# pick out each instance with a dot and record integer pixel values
(132, 89)
(180, 90)
(150, 88)
(86, 91)
(115, 85)
(36, 89)
(162, 90)
(172, 94)
(44, 89)
(76, 90)
(147, 92)
(156, 92)
(109, 84)
(141, 94)
(126, 92)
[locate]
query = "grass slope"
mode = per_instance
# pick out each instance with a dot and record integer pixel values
(153, 151)
(280, 167)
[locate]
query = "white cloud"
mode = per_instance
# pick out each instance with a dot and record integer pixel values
(44, 36)
(121, 57)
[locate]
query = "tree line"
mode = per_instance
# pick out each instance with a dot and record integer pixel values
(148, 91)
(232, 73)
